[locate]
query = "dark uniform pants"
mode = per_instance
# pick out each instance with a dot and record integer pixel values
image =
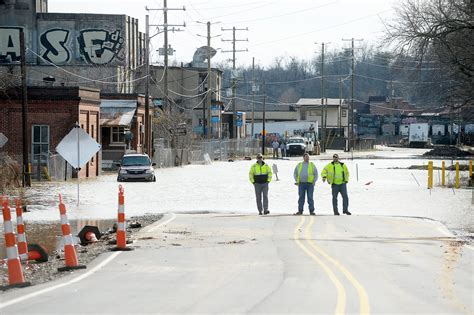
(261, 189)
(336, 189)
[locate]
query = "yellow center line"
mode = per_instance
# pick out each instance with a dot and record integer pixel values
(364, 306)
(341, 292)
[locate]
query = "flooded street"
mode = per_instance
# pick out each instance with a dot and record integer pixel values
(381, 187)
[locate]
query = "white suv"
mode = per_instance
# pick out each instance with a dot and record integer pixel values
(136, 167)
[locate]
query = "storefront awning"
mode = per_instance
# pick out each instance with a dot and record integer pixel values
(117, 112)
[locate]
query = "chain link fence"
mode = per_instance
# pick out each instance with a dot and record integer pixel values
(202, 152)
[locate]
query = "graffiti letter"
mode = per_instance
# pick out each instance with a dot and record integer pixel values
(54, 42)
(10, 43)
(99, 46)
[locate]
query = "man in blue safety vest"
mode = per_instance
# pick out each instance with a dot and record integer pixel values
(260, 175)
(305, 175)
(338, 176)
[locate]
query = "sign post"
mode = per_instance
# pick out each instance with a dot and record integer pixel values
(77, 148)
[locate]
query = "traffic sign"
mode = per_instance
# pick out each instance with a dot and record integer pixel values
(3, 140)
(77, 147)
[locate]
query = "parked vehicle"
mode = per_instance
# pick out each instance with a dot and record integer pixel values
(418, 135)
(136, 167)
(296, 146)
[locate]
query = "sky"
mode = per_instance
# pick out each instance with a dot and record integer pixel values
(281, 28)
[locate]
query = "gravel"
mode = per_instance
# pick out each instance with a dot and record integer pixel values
(447, 151)
(37, 273)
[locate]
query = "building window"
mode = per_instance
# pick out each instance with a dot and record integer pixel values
(344, 113)
(40, 143)
(118, 135)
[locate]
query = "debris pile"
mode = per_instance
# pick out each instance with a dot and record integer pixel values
(447, 151)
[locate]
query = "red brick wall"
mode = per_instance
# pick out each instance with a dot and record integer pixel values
(57, 108)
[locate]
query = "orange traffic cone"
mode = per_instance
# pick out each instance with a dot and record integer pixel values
(27, 251)
(121, 230)
(69, 250)
(15, 271)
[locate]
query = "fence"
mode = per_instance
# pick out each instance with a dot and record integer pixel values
(197, 152)
(58, 168)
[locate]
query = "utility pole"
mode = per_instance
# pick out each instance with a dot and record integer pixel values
(166, 48)
(340, 105)
(26, 179)
(263, 119)
(253, 94)
(234, 133)
(351, 130)
(209, 122)
(147, 141)
(208, 81)
(165, 25)
(324, 115)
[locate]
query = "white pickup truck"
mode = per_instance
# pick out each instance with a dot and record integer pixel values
(418, 135)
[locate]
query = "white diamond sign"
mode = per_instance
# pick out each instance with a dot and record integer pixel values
(3, 139)
(77, 147)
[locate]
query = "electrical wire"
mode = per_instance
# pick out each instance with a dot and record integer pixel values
(193, 89)
(318, 30)
(400, 68)
(82, 77)
(402, 82)
(389, 108)
(285, 14)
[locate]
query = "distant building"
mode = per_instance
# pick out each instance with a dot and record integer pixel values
(70, 49)
(386, 106)
(187, 88)
(52, 113)
(312, 109)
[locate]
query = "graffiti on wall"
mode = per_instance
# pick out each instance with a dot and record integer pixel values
(99, 46)
(96, 46)
(10, 43)
(54, 43)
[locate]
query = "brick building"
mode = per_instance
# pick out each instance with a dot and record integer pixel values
(52, 113)
(122, 123)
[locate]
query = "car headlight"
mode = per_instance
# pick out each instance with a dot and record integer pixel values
(123, 172)
(149, 171)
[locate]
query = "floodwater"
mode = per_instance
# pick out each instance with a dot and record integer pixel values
(381, 185)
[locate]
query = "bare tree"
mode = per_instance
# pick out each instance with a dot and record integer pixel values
(170, 126)
(440, 31)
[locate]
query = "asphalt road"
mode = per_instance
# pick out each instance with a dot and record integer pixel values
(218, 263)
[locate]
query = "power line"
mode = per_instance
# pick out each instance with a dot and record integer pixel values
(400, 68)
(234, 75)
(285, 14)
(351, 130)
(403, 82)
(82, 77)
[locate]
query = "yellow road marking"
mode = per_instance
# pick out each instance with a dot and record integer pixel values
(341, 292)
(364, 306)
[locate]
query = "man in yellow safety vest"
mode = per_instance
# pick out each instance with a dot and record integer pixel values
(305, 175)
(338, 176)
(260, 175)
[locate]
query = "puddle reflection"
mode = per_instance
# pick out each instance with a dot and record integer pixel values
(49, 234)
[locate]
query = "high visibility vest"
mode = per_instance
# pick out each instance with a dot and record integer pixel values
(310, 172)
(336, 173)
(258, 169)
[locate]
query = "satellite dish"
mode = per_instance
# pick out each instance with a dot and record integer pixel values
(201, 54)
